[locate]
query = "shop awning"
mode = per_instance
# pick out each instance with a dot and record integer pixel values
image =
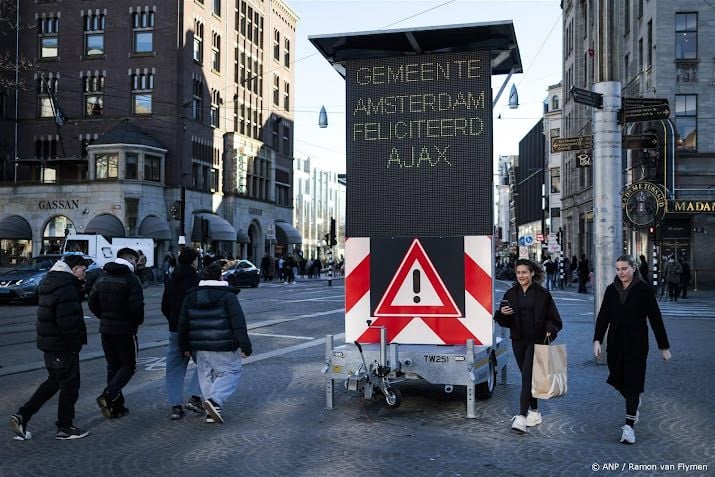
(286, 233)
(15, 227)
(153, 227)
(219, 229)
(242, 237)
(105, 224)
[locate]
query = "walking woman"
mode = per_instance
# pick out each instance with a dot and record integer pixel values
(627, 303)
(530, 313)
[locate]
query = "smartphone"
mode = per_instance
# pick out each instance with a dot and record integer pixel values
(504, 303)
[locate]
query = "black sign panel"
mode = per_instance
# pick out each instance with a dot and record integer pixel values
(589, 98)
(644, 109)
(640, 141)
(419, 146)
(584, 160)
(578, 143)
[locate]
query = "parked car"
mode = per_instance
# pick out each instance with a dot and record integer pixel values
(20, 284)
(242, 273)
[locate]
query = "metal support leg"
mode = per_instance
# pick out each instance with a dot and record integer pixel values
(329, 382)
(471, 401)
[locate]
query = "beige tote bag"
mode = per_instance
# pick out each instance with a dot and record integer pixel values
(549, 374)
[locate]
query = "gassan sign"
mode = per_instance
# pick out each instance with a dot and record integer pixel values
(419, 142)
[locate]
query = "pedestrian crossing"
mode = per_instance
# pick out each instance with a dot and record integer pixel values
(691, 309)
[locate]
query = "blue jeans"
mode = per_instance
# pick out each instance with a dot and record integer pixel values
(176, 364)
(219, 373)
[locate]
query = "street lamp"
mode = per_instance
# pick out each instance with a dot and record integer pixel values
(323, 118)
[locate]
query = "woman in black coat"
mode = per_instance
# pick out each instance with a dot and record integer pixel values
(627, 303)
(529, 311)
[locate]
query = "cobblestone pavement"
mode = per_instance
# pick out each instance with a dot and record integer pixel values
(276, 423)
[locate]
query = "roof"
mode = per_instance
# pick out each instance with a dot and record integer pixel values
(127, 133)
(497, 37)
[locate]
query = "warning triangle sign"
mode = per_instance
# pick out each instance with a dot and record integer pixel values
(417, 290)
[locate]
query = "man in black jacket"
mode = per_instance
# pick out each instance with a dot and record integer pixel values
(117, 299)
(61, 332)
(212, 325)
(182, 279)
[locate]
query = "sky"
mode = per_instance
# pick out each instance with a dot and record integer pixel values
(538, 26)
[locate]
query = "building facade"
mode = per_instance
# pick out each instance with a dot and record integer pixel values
(659, 50)
(319, 196)
(125, 110)
(552, 130)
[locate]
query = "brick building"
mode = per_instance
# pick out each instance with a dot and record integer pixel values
(154, 98)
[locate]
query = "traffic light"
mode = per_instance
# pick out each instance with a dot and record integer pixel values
(333, 239)
(177, 210)
(652, 233)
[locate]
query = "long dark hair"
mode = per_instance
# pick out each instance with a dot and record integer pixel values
(533, 267)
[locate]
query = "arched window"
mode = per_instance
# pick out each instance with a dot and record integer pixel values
(55, 231)
(554, 103)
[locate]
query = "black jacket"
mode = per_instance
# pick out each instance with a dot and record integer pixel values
(211, 319)
(627, 350)
(546, 315)
(117, 299)
(183, 278)
(60, 318)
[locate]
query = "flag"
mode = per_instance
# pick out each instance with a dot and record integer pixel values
(60, 117)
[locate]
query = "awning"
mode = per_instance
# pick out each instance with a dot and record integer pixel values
(15, 227)
(242, 237)
(219, 229)
(105, 224)
(286, 233)
(153, 227)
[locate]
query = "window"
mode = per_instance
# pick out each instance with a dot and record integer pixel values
(142, 85)
(217, 8)
(216, 52)
(640, 8)
(276, 45)
(107, 166)
(48, 37)
(46, 148)
(686, 121)
(205, 177)
(649, 55)
(215, 108)
(640, 55)
(286, 53)
(46, 87)
(686, 36)
(555, 132)
(214, 180)
(93, 96)
(276, 90)
(143, 32)
(198, 41)
(626, 64)
(286, 96)
(555, 180)
(242, 28)
(197, 100)
(286, 140)
(94, 34)
(554, 103)
(249, 24)
(152, 168)
(132, 163)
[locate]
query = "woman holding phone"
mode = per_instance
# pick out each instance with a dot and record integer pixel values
(530, 313)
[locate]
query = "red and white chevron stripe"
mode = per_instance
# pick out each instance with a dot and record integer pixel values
(477, 323)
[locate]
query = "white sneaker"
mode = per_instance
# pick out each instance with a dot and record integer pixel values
(518, 423)
(533, 418)
(629, 435)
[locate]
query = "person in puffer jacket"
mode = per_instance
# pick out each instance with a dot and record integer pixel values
(213, 327)
(61, 333)
(117, 299)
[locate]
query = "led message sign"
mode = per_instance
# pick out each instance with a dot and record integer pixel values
(419, 146)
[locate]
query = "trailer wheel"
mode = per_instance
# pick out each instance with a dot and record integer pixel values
(486, 389)
(393, 398)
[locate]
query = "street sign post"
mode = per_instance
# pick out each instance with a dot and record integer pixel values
(644, 109)
(640, 141)
(578, 143)
(589, 98)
